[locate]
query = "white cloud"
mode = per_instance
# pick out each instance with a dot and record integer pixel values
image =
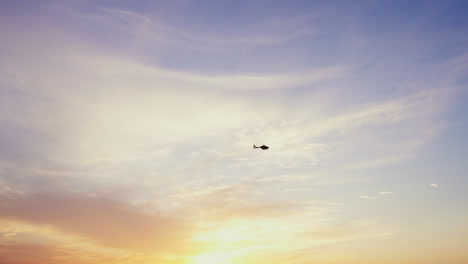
(385, 192)
(114, 111)
(268, 32)
(145, 75)
(434, 185)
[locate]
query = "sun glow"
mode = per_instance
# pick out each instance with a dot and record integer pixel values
(226, 236)
(223, 257)
(228, 244)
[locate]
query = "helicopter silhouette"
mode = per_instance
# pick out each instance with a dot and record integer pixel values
(262, 147)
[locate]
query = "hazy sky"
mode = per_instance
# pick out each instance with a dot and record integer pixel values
(126, 132)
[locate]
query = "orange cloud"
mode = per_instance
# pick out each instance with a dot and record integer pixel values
(110, 223)
(30, 253)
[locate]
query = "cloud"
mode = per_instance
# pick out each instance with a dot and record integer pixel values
(107, 108)
(366, 197)
(384, 132)
(108, 222)
(225, 202)
(352, 230)
(434, 185)
(385, 192)
(285, 178)
(150, 28)
(23, 252)
(147, 76)
(32, 253)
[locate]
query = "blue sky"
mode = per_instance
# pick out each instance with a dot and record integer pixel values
(126, 131)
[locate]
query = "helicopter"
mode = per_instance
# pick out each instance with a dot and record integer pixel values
(262, 147)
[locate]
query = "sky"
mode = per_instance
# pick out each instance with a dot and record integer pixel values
(127, 132)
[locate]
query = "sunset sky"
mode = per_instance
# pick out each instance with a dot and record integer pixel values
(126, 132)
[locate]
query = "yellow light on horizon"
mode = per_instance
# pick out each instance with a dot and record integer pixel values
(224, 257)
(226, 235)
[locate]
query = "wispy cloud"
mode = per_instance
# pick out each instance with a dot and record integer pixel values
(434, 185)
(106, 66)
(157, 31)
(110, 222)
(219, 203)
(353, 230)
(385, 192)
(17, 253)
